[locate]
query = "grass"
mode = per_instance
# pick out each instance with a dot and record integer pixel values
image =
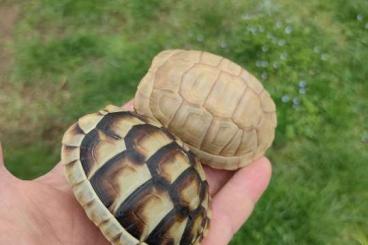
(67, 58)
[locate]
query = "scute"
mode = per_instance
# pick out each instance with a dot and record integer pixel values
(190, 124)
(199, 96)
(135, 180)
(166, 104)
(218, 103)
(248, 112)
(198, 83)
(220, 133)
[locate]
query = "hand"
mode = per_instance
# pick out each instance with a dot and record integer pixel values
(44, 210)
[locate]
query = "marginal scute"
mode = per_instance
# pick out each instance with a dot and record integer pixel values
(267, 103)
(112, 230)
(74, 136)
(144, 89)
(89, 122)
(266, 136)
(230, 67)
(253, 83)
(83, 193)
(233, 144)
(161, 58)
(69, 154)
(75, 172)
(211, 59)
(271, 117)
(112, 108)
(95, 213)
(249, 142)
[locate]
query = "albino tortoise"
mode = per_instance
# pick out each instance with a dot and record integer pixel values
(218, 109)
(135, 180)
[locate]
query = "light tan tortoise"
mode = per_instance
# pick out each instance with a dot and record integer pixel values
(221, 111)
(136, 181)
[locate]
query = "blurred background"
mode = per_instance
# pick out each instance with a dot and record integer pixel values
(60, 59)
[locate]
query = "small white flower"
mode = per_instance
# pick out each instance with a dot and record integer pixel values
(324, 57)
(278, 24)
(200, 38)
(359, 17)
(246, 17)
(223, 44)
(285, 98)
(365, 137)
(264, 75)
(281, 42)
(302, 84)
(296, 102)
(317, 50)
(288, 30)
(284, 56)
(261, 63)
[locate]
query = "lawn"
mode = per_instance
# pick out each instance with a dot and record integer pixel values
(60, 59)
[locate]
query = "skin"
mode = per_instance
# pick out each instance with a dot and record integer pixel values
(44, 210)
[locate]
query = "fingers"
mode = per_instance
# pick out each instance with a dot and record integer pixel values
(233, 204)
(216, 178)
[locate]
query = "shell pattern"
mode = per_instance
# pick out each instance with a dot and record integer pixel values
(136, 181)
(219, 109)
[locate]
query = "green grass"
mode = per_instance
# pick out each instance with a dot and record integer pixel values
(71, 57)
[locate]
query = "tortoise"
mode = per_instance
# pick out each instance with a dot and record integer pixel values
(136, 181)
(221, 111)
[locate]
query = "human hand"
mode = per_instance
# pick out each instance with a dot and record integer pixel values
(44, 210)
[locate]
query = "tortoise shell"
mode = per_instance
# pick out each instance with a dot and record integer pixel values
(218, 109)
(135, 180)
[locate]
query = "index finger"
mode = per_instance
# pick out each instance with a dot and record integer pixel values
(234, 203)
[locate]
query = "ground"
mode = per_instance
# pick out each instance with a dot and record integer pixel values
(60, 59)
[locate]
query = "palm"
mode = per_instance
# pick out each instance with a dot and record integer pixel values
(44, 211)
